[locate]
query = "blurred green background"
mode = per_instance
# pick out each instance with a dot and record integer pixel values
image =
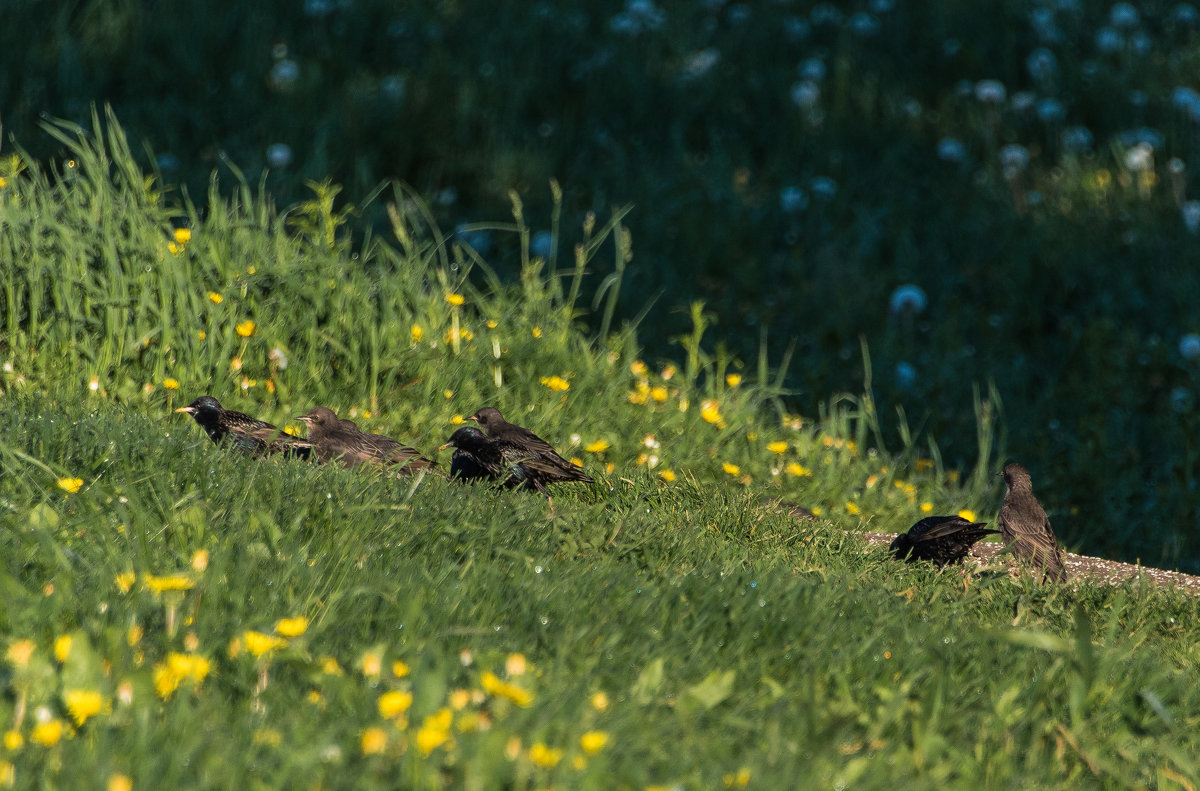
(980, 192)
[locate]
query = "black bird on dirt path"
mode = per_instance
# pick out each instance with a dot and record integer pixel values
(341, 440)
(247, 434)
(942, 539)
(1025, 527)
(534, 463)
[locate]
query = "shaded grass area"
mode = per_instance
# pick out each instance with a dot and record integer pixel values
(1030, 166)
(724, 635)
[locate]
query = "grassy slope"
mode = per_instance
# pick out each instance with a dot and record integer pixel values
(725, 635)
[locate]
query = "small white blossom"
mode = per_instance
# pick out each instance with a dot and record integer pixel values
(1189, 347)
(1123, 15)
(279, 155)
(990, 91)
(950, 149)
(1140, 158)
(1191, 215)
(806, 94)
(908, 298)
(792, 200)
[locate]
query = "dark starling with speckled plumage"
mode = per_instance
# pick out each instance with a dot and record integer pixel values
(239, 430)
(342, 440)
(942, 539)
(1025, 527)
(476, 458)
(534, 464)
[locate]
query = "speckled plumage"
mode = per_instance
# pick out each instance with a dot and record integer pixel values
(239, 430)
(1025, 527)
(533, 463)
(334, 439)
(942, 539)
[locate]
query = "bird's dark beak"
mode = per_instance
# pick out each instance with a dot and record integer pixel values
(188, 409)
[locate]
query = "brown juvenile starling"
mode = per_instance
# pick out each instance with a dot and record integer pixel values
(942, 539)
(342, 440)
(531, 460)
(1025, 527)
(247, 434)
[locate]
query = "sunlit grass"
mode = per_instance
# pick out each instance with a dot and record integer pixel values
(178, 614)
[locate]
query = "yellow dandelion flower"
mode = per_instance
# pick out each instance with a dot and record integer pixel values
(593, 742)
(797, 470)
(258, 643)
(448, 394)
(330, 667)
(394, 704)
(82, 704)
(492, 324)
(183, 235)
(455, 299)
(667, 475)
(536, 332)
(458, 420)
(372, 664)
(70, 485)
(133, 635)
(541, 755)
(494, 686)
(174, 248)
(19, 652)
(556, 383)
(8, 772)
(924, 465)
(777, 447)
(170, 582)
(515, 665)
(926, 507)
(417, 332)
(200, 559)
(125, 581)
(400, 669)
(659, 393)
(739, 780)
(434, 731)
(668, 371)
(599, 446)
(636, 397)
(245, 329)
(967, 514)
(733, 380)
(215, 298)
(170, 383)
(731, 469)
(47, 733)
(710, 411)
(638, 368)
(852, 508)
(817, 510)
(192, 667)
(13, 741)
(459, 699)
(119, 782)
(62, 647)
(201, 334)
(512, 748)
(291, 627)
(373, 741)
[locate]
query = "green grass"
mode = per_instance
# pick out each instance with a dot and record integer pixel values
(732, 644)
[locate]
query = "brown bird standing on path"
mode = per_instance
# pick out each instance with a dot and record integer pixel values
(342, 440)
(942, 539)
(533, 462)
(1025, 527)
(247, 434)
